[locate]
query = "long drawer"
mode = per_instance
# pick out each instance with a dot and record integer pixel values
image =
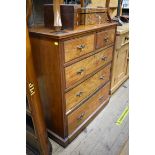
(77, 47)
(76, 118)
(77, 94)
(84, 67)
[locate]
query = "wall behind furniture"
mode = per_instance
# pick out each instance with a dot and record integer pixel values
(37, 17)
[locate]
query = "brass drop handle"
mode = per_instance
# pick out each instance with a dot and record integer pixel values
(79, 94)
(126, 38)
(106, 39)
(81, 116)
(81, 47)
(101, 98)
(80, 71)
(105, 58)
(102, 77)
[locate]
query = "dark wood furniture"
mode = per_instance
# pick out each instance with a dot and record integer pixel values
(73, 71)
(69, 16)
(73, 15)
(35, 144)
(120, 72)
(36, 134)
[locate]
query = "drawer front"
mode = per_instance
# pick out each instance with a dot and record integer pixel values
(105, 38)
(84, 67)
(77, 94)
(82, 113)
(77, 47)
(122, 40)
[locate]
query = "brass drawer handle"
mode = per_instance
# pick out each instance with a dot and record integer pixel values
(105, 58)
(126, 38)
(80, 71)
(81, 116)
(102, 77)
(79, 94)
(101, 98)
(106, 39)
(81, 47)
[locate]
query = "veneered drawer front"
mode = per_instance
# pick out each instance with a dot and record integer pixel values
(88, 87)
(84, 67)
(105, 38)
(121, 40)
(76, 118)
(77, 47)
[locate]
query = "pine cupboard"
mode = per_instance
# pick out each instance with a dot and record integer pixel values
(120, 71)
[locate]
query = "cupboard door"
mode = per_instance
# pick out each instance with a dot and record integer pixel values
(121, 64)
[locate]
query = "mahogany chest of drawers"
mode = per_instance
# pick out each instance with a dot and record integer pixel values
(74, 75)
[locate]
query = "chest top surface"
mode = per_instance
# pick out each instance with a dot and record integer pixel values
(41, 30)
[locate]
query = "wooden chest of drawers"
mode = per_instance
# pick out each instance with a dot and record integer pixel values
(120, 71)
(73, 71)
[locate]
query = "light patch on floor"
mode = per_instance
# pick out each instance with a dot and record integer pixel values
(123, 115)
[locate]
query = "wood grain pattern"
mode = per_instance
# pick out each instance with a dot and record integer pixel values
(102, 3)
(78, 116)
(34, 101)
(77, 94)
(102, 135)
(47, 32)
(82, 68)
(120, 67)
(77, 47)
(105, 38)
(57, 77)
(122, 40)
(47, 64)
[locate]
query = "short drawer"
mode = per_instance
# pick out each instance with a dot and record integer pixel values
(84, 67)
(77, 47)
(88, 87)
(121, 40)
(105, 38)
(76, 118)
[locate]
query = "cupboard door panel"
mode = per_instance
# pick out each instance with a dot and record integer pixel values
(121, 64)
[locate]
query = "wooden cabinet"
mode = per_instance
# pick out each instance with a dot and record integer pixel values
(120, 70)
(36, 137)
(36, 133)
(73, 71)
